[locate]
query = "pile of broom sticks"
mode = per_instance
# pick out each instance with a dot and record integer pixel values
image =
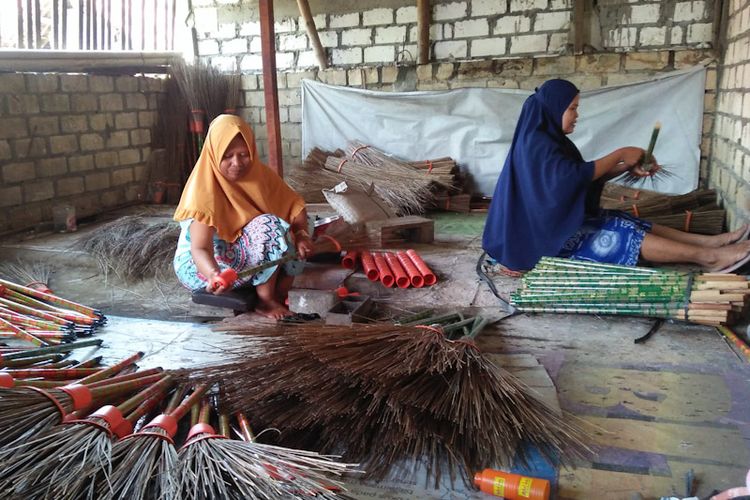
(402, 269)
(71, 434)
(42, 318)
(420, 392)
(578, 287)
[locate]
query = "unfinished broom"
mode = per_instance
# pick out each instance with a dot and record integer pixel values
(144, 463)
(648, 165)
(52, 465)
(33, 274)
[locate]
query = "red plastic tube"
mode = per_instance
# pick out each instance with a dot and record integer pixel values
(402, 280)
(417, 281)
(386, 277)
(368, 264)
(350, 260)
(429, 277)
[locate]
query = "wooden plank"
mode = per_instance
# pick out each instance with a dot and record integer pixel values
(270, 90)
(423, 29)
(388, 232)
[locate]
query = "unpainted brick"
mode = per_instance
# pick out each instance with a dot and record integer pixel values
(74, 123)
(51, 167)
(129, 156)
(110, 102)
(41, 83)
(44, 125)
(101, 84)
(23, 104)
(38, 191)
(84, 102)
(136, 101)
(29, 148)
(106, 159)
(80, 163)
(97, 182)
(18, 172)
(126, 84)
(10, 196)
(69, 186)
(63, 144)
(12, 83)
(122, 176)
(74, 83)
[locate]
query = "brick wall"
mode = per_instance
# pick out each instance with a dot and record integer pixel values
(730, 155)
(72, 139)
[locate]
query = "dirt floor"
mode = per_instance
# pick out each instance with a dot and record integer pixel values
(679, 402)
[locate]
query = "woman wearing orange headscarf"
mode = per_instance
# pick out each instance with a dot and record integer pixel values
(236, 212)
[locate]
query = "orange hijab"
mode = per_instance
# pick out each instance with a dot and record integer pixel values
(227, 206)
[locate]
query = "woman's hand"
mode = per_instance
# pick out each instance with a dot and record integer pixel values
(303, 244)
(216, 284)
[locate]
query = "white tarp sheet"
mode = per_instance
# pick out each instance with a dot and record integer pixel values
(475, 126)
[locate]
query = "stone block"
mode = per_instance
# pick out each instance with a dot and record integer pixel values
(110, 102)
(126, 120)
(55, 103)
(129, 156)
(37, 83)
(126, 84)
(528, 44)
(508, 25)
(333, 76)
(598, 63)
(358, 36)
(654, 61)
(84, 103)
(406, 15)
(106, 159)
(380, 53)
(100, 122)
(62, 144)
(23, 104)
(346, 56)
(294, 80)
(445, 71)
(135, 100)
(644, 13)
(377, 17)
(122, 176)
(44, 125)
(101, 84)
(689, 11)
(38, 191)
(484, 8)
(80, 163)
(472, 28)
(288, 43)
(453, 10)
(119, 139)
(74, 123)
(552, 21)
(140, 137)
(522, 5)
(390, 34)
(652, 37)
(451, 49)
(10, 196)
(700, 34)
(92, 142)
(344, 20)
(97, 182)
(18, 172)
(554, 66)
(30, 148)
(12, 83)
(11, 128)
(70, 186)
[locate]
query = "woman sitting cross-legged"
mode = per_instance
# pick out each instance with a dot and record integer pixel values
(236, 212)
(546, 201)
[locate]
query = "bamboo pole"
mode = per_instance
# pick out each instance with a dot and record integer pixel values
(312, 33)
(423, 28)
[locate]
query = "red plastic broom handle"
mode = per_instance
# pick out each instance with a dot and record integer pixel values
(402, 280)
(416, 278)
(429, 277)
(386, 277)
(368, 264)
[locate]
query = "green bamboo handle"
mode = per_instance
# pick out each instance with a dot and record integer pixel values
(56, 348)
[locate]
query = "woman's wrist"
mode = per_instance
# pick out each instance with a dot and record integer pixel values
(301, 233)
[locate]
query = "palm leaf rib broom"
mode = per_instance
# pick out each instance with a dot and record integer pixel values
(384, 393)
(52, 465)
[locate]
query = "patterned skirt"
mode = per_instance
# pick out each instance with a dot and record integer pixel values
(263, 239)
(613, 237)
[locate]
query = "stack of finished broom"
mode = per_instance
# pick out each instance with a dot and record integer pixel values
(694, 212)
(394, 398)
(42, 318)
(102, 433)
(407, 187)
(578, 287)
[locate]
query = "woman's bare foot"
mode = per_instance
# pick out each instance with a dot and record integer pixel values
(272, 309)
(723, 257)
(735, 236)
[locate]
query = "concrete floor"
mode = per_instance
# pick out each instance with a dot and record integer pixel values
(680, 401)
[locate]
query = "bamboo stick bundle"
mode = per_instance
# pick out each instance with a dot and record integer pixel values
(50, 465)
(701, 221)
(384, 393)
(644, 203)
(577, 287)
(441, 170)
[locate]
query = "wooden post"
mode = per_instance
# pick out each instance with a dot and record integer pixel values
(579, 7)
(312, 33)
(270, 90)
(423, 27)
(19, 6)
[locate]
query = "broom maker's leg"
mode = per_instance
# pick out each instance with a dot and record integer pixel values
(698, 239)
(268, 305)
(659, 249)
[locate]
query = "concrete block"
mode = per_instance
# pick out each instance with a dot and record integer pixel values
(284, 60)
(11, 128)
(36, 83)
(560, 4)
(451, 49)
(288, 43)
(84, 103)
(208, 47)
(377, 16)
(100, 122)
(622, 37)
(91, 142)
(250, 28)
(140, 137)
(406, 15)
(97, 182)
(481, 8)
(436, 33)
(508, 25)
(80, 163)
(647, 60)
(391, 34)
(74, 123)
(135, 100)
(319, 21)
(528, 44)
(227, 64)
(235, 46)
(74, 83)
(453, 10)
(359, 36)
(126, 84)
(106, 159)
(644, 13)
(294, 80)
(700, 34)
(689, 11)
(344, 20)
(226, 31)
(110, 102)
(69, 186)
(38, 191)
(30, 148)
(488, 47)
(5, 152)
(18, 172)
(290, 97)
(118, 139)
(553, 66)
(307, 59)
(23, 104)
(311, 301)
(521, 5)
(285, 26)
(332, 77)
(13, 83)
(255, 45)
(650, 37)
(251, 63)
(354, 309)
(126, 120)
(55, 103)
(61, 144)
(558, 42)
(10, 196)
(328, 38)
(128, 156)
(552, 21)
(101, 84)
(379, 53)
(472, 28)
(598, 63)
(122, 176)
(44, 125)
(676, 35)
(347, 56)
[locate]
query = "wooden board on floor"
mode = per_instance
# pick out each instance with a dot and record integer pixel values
(390, 232)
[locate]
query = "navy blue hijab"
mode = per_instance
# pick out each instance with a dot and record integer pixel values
(541, 195)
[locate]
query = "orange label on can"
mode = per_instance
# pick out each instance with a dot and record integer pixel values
(498, 487)
(524, 487)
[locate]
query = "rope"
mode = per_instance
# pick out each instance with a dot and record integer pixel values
(688, 218)
(341, 165)
(358, 148)
(336, 244)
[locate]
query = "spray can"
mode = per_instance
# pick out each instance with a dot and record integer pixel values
(511, 486)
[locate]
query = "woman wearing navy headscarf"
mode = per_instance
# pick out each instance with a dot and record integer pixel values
(546, 201)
